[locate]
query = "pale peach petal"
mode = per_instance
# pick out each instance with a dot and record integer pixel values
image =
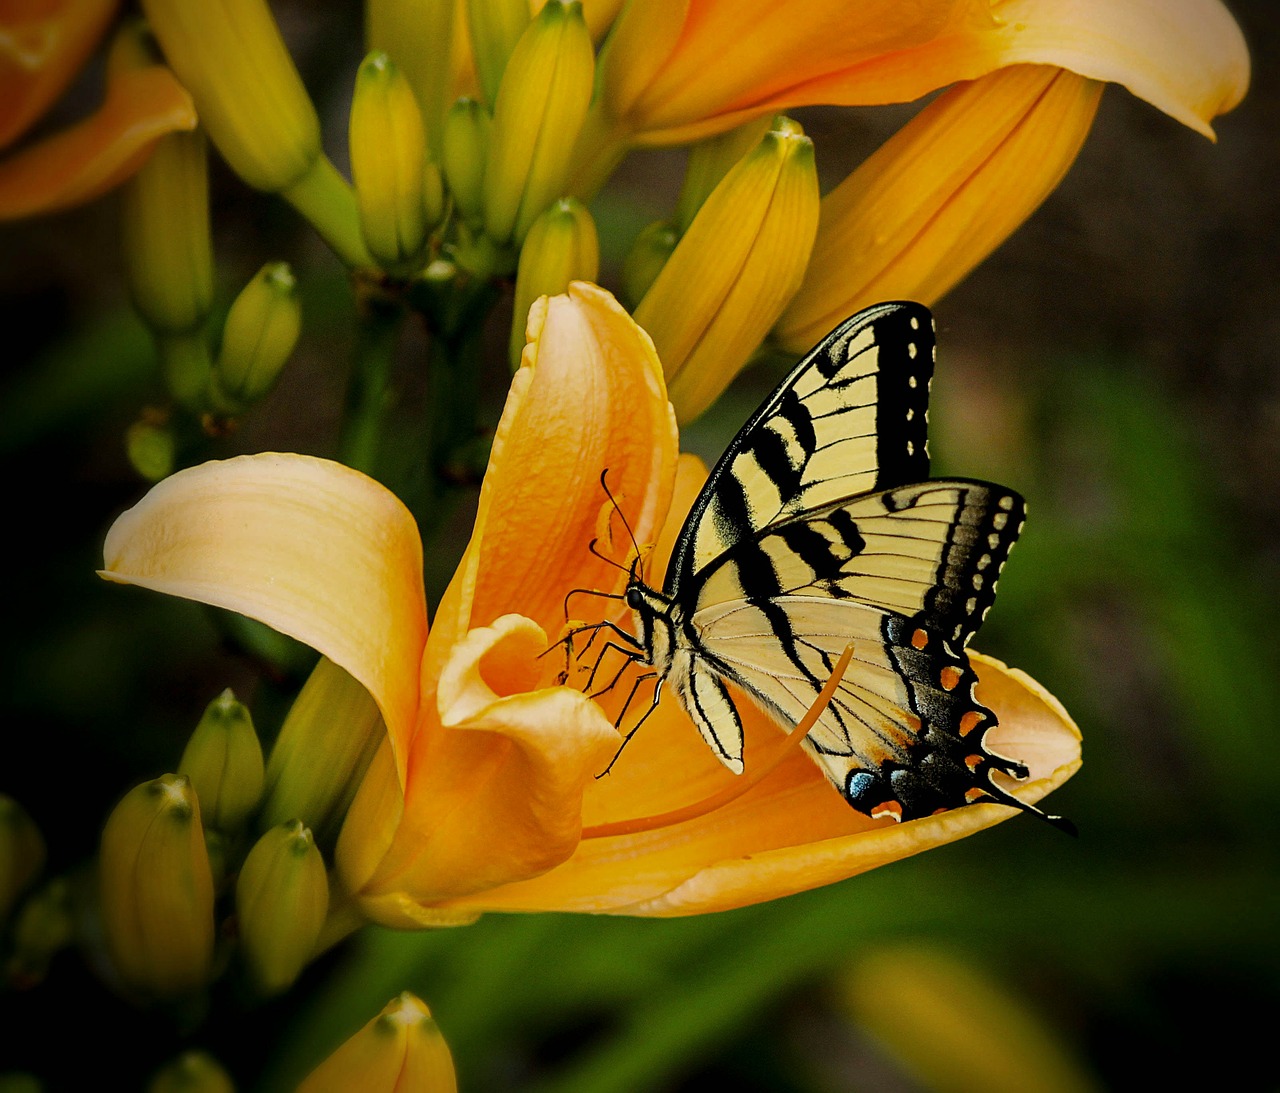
(494, 791)
(791, 832)
(940, 195)
(309, 547)
(42, 47)
(588, 399)
(84, 161)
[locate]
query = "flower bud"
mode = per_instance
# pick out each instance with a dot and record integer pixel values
(401, 1048)
(258, 338)
(734, 270)
(466, 147)
(282, 897)
(22, 853)
(156, 890)
(648, 254)
(325, 745)
(541, 104)
(496, 26)
(561, 246)
(192, 1072)
(44, 927)
(223, 759)
(418, 36)
(388, 163)
(710, 160)
(151, 448)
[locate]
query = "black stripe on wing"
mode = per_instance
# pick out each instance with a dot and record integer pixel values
(851, 417)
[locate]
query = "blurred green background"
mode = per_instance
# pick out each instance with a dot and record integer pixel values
(1115, 361)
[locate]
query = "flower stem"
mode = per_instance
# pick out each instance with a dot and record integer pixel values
(369, 393)
(325, 198)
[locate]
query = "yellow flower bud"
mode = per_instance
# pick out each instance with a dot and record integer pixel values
(223, 759)
(496, 26)
(541, 104)
(418, 36)
(282, 897)
(325, 745)
(466, 148)
(156, 890)
(44, 927)
(22, 853)
(388, 163)
(648, 254)
(734, 270)
(561, 246)
(168, 252)
(229, 55)
(258, 337)
(192, 1072)
(709, 161)
(150, 446)
(400, 1049)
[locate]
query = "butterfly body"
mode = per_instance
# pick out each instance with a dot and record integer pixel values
(819, 527)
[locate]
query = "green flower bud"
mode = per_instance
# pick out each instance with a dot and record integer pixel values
(43, 928)
(418, 36)
(645, 259)
(22, 853)
(388, 163)
(401, 1048)
(496, 26)
(258, 337)
(282, 897)
(150, 447)
(561, 246)
(540, 108)
(325, 745)
(466, 147)
(223, 759)
(192, 1072)
(156, 890)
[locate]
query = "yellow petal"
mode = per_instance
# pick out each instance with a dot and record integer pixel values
(790, 832)
(43, 45)
(505, 756)
(89, 158)
(309, 547)
(588, 398)
(940, 195)
(1186, 57)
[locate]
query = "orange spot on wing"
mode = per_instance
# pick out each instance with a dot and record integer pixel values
(969, 721)
(920, 639)
(890, 809)
(949, 677)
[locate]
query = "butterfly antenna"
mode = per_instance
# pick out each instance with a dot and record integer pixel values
(621, 516)
(593, 548)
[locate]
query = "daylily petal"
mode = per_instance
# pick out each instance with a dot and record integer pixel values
(730, 62)
(588, 399)
(43, 45)
(496, 796)
(309, 547)
(84, 161)
(940, 195)
(788, 833)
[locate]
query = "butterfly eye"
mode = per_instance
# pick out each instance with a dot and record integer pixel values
(634, 600)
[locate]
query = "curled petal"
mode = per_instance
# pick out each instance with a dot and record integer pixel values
(494, 789)
(96, 154)
(788, 833)
(588, 400)
(309, 547)
(42, 47)
(941, 195)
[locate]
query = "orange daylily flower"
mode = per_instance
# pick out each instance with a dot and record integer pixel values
(43, 45)
(485, 795)
(677, 70)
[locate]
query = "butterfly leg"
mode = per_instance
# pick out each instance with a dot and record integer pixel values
(657, 693)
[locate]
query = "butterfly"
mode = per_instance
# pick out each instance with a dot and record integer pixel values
(820, 527)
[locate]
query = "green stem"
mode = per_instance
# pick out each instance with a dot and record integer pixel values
(369, 393)
(326, 199)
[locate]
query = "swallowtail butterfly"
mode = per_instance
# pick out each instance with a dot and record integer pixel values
(818, 527)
